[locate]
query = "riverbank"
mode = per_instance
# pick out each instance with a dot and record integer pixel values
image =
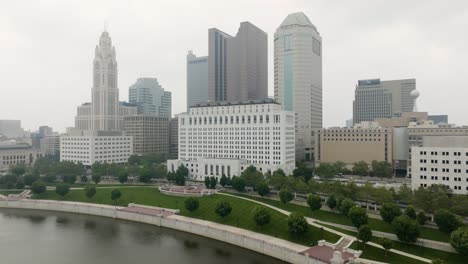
(271, 246)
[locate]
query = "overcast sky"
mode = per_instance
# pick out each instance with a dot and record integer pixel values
(47, 49)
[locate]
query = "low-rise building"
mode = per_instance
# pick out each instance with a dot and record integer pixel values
(364, 142)
(441, 160)
(89, 147)
(227, 137)
(150, 133)
(12, 153)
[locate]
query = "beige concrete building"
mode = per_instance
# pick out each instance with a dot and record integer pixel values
(351, 145)
(404, 120)
(12, 154)
(150, 133)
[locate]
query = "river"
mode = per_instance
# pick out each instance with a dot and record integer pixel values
(30, 236)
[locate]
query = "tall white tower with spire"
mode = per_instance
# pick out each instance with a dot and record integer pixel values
(105, 93)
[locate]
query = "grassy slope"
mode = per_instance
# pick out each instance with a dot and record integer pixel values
(378, 254)
(424, 252)
(240, 215)
(375, 224)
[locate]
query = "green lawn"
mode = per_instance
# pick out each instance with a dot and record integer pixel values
(7, 192)
(240, 216)
(378, 254)
(424, 252)
(375, 224)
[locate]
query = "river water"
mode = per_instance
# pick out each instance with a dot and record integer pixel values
(30, 236)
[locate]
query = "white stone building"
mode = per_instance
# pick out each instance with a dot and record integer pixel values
(13, 153)
(227, 137)
(89, 147)
(441, 160)
(298, 77)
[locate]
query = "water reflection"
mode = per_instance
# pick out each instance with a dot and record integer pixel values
(33, 217)
(222, 253)
(62, 221)
(190, 244)
(89, 225)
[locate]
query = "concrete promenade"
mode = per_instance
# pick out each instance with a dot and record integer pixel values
(271, 246)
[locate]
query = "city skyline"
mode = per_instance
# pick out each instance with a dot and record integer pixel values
(58, 51)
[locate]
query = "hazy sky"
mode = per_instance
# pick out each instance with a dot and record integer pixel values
(47, 49)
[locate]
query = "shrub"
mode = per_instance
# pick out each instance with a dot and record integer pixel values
(90, 191)
(191, 204)
(223, 208)
(238, 183)
(459, 241)
(447, 221)
(263, 189)
(314, 202)
(38, 187)
(62, 189)
(364, 234)
(410, 211)
(285, 195)
(261, 215)
(389, 211)
(405, 228)
(331, 201)
(358, 216)
(297, 224)
(345, 205)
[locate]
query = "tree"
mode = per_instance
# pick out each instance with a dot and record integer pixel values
(28, 179)
(314, 202)
(90, 191)
(361, 168)
(300, 170)
(123, 176)
(10, 180)
(421, 217)
(261, 215)
(207, 182)
(191, 204)
(238, 183)
(410, 211)
(459, 205)
(213, 182)
(447, 221)
(180, 179)
(62, 189)
(386, 243)
(145, 175)
(364, 234)
(263, 189)
(18, 169)
(285, 195)
(297, 224)
(406, 229)
(38, 187)
(223, 208)
(70, 179)
(381, 168)
(431, 198)
(389, 211)
(182, 171)
(96, 178)
(358, 216)
(115, 195)
(224, 180)
(405, 194)
(438, 261)
(459, 241)
(326, 170)
(84, 178)
(331, 201)
(171, 176)
(19, 184)
(345, 205)
(252, 176)
(339, 167)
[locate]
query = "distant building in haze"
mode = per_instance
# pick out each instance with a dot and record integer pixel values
(298, 77)
(150, 98)
(439, 119)
(382, 99)
(197, 79)
(238, 66)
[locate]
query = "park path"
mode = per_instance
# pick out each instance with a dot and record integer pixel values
(316, 223)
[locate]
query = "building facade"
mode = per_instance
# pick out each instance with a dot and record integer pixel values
(439, 119)
(89, 147)
(226, 138)
(351, 145)
(50, 145)
(150, 98)
(382, 99)
(298, 77)
(11, 128)
(150, 134)
(197, 79)
(442, 160)
(13, 154)
(174, 136)
(237, 66)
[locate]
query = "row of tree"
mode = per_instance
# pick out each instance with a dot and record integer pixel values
(361, 168)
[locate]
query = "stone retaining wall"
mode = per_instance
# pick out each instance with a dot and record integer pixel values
(271, 246)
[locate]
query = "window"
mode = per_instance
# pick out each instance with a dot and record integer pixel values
(287, 42)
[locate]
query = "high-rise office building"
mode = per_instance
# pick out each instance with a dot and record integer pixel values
(298, 77)
(11, 128)
(382, 99)
(197, 79)
(150, 98)
(105, 112)
(150, 134)
(238, 66)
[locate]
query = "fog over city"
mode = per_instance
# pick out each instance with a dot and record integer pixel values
(47, 50)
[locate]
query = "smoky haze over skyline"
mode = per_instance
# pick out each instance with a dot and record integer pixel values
(47, 50)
